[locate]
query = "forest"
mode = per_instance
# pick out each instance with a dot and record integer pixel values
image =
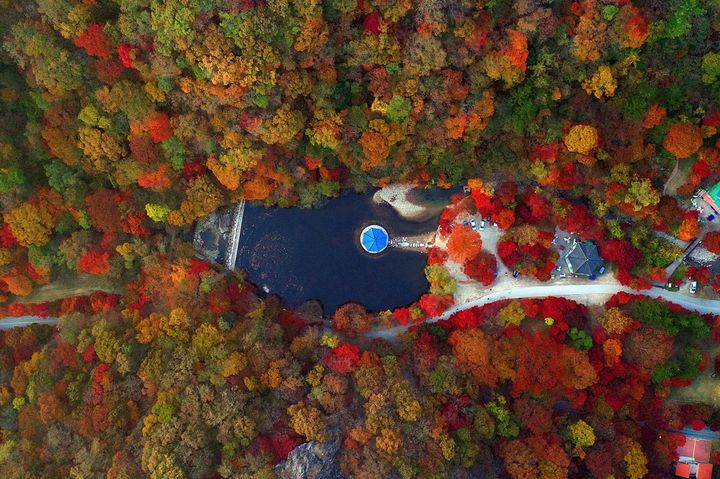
(201, 378)
(124, 122)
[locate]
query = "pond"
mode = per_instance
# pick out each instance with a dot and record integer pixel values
(314, 254)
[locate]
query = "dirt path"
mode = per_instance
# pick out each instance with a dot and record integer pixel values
(78, 286)
(672, 176)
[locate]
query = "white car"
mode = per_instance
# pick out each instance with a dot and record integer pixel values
(473, 224)
(693, 287)
(482, 224)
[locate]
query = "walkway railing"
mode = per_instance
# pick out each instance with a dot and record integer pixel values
(417, 242)
(234, 239)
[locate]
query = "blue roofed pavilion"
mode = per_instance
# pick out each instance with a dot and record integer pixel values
(374, 239)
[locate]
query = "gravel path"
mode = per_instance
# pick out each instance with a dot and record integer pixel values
(566, 291)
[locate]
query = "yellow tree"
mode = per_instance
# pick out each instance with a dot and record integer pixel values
(615, 321)
(283, 126)
(581, 139)
(601, 84)
(635, 460)
(307, 421)
(375, 148)
(30, 224)
(581, 434)
(641, 194)
(201, 198)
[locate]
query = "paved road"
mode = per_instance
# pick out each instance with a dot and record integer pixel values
(692, 303)
(19, 321)
(563, 290)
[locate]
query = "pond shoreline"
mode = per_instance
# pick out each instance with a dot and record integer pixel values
(400, 198)
(315, 254)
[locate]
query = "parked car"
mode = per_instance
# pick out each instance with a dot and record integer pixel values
(711, 217)
(482, 224)
(693, 287)
(562, 275)
(473, 224)
(516, 273)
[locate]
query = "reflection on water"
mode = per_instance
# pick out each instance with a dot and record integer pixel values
(303, 254)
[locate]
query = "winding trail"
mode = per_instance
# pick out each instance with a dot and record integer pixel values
(564, 290)
(692, 303)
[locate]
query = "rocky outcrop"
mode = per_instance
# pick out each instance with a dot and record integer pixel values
(313, 460)
(213, 235)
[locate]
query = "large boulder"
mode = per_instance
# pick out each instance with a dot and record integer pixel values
(313, 460)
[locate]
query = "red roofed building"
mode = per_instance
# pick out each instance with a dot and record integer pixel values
(697, 471)
(694, 456)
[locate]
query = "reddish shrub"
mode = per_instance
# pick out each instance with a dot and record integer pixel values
(95, 261)
(94, 41)
(481, 268)
(158, 125)
(371, 24)
(126, 53)
(343, 359)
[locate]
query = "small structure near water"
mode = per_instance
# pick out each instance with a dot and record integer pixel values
(374, 239)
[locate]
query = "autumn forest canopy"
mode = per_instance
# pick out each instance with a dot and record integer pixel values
(124, 122)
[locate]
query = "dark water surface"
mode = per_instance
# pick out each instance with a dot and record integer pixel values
(303, 254)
